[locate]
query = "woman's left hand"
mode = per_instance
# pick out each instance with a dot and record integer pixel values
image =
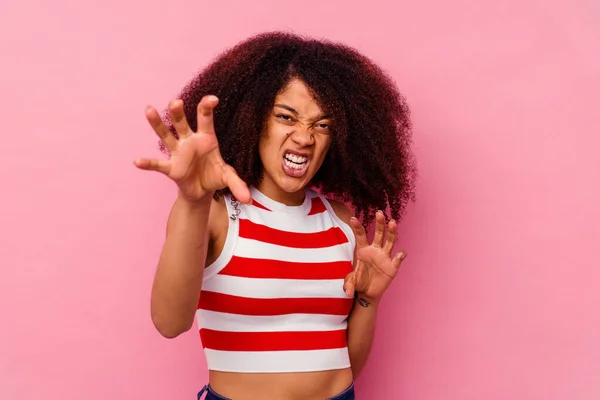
(374, 267)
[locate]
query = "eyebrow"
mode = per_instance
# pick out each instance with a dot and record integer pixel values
(287, 108)
(290, 109)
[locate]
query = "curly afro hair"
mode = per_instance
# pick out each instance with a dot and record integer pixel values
(369, 164)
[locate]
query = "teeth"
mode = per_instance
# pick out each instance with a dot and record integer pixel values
(293, 164)
(296, 159)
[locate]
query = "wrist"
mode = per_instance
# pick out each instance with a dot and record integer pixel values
(366, 301)
(193, 204)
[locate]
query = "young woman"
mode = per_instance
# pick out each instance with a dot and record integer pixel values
(281, 279)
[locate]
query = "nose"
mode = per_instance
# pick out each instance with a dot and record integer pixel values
(303, 137)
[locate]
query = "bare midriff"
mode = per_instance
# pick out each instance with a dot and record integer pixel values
(319, 385)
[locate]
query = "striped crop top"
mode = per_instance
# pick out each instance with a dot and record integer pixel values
(273, 301)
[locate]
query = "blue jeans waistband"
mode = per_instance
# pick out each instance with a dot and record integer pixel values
(347, 394)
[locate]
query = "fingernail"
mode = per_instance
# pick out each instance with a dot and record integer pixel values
(212, 98)
(401, 255)
(379, 212)
(392, 220)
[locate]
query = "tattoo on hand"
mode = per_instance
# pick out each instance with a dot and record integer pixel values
(363, 302)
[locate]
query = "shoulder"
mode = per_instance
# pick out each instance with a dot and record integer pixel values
(218, 219)
(341, 210)
(218, 212)
(218, 224)
(344, 213)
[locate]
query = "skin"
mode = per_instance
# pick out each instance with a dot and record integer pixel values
(297, 124)
(198, 225)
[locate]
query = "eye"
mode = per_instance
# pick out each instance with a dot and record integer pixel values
(284, 117)
(323, 127)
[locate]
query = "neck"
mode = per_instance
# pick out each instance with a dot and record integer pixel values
(275, 193)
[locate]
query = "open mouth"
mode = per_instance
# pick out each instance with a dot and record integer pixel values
(295, 165)
(294, 161)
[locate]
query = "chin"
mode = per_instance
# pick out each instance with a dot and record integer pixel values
(292, 185)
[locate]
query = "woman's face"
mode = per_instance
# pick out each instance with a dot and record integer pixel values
(293, 146)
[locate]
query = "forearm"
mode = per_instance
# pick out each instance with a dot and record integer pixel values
(178, 278)
(361, 330)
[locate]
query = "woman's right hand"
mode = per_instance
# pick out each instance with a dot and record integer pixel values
(195, 165)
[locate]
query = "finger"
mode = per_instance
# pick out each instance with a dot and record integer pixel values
(397, 261)
(349, 284)
(359, 233)
(379, 229)
(178, 119)
(205, 114)
(160, 128)
(390, 240)
(238, 187)
(152, 164)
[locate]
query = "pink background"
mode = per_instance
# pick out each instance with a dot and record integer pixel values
(500, 295)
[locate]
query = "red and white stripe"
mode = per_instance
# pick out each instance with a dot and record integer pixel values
(274, 299)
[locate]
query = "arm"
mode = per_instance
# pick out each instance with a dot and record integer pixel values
(374, 270)
(193, 231)
(361, 323)
(361, 331)
(178, 278)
